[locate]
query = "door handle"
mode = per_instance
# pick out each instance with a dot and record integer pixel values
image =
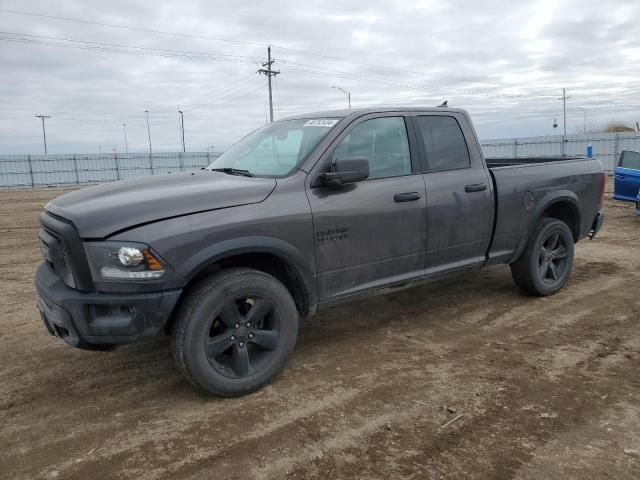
(406, 197)
(475, 187)
(619, 176)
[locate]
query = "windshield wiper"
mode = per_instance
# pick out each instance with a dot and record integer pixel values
(234, 171)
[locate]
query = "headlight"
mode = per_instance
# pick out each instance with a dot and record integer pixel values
(123, 261)
(130, 256)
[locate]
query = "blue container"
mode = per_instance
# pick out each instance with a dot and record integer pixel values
(589, 151)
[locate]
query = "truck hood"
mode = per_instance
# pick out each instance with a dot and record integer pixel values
(103, 210)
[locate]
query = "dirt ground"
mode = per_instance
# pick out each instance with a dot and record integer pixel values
(542, 388)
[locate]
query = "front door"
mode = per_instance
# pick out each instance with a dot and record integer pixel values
(371, 233)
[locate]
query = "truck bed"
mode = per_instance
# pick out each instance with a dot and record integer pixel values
(510, 161)
(538, 179)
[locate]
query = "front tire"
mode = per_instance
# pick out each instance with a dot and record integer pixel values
(234, 332)
(545, 265)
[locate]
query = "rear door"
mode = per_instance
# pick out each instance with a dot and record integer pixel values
(627, 176)
(371, 233)
(459, 192)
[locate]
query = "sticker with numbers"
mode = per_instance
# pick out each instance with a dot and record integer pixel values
(321, 123)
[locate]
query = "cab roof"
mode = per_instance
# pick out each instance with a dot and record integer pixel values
(363, 111)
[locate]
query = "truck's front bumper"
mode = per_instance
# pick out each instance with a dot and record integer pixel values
(95, 320)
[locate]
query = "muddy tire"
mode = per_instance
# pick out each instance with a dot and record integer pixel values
(234, 332)
(545, 265)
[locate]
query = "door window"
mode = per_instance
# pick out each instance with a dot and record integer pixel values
(630, 159)
(444, 143)
(383, 141)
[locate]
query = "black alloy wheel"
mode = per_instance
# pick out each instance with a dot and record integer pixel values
(243, 336)
(234, 331)
(544, 267)
(552, 263)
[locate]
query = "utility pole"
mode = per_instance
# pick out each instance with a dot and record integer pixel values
(182, 128)
(269, 72)
(149, 132)
(126, 145)
(44, 133)
(347, 94)
(564, 99)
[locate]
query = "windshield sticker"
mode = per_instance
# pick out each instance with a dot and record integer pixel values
(321, 123)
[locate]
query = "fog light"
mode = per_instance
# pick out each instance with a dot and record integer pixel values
(130, 256)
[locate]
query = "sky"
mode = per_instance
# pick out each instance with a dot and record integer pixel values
(94, 66)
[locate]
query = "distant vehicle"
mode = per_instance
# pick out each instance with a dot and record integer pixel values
(302, 214)
(627, 177)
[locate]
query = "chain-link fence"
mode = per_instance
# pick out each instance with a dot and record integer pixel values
(70, 169)
(84, 169)
(606, 146)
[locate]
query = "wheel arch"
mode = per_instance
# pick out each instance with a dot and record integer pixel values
(270, 255)
(562, 205)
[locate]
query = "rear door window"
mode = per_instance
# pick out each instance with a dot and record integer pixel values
(444, 144)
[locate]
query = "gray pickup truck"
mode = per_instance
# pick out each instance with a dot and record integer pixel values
(300, 215)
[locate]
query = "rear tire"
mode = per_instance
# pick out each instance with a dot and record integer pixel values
(234, 332)
(545, 265)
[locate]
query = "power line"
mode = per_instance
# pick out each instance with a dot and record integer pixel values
(147, 51)
(118, 45)
(242, 82)
(222, 94)
(228, 40)
(224, 91)
(253, 43)
(125, 27)
(231, 98)
(131, 50)
(202, 56)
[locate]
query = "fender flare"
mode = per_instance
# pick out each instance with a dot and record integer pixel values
(212, 254)
(552, 198)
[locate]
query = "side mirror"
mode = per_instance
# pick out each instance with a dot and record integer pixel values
(345, 171)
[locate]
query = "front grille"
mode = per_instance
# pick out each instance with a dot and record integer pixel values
(56, 256)
(63, 250)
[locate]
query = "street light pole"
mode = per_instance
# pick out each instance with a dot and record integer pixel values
(126, 145)
(346, 94)
(44, 133)
(182, 129)
(149, 132)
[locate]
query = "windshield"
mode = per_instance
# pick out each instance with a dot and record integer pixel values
(275, 149)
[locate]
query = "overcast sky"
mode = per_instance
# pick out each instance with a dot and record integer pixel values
(504, 61)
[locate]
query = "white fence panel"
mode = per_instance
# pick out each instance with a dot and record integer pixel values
(606, 146)
(84, 169)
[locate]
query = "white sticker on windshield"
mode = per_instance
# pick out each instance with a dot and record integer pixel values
(321, 123)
